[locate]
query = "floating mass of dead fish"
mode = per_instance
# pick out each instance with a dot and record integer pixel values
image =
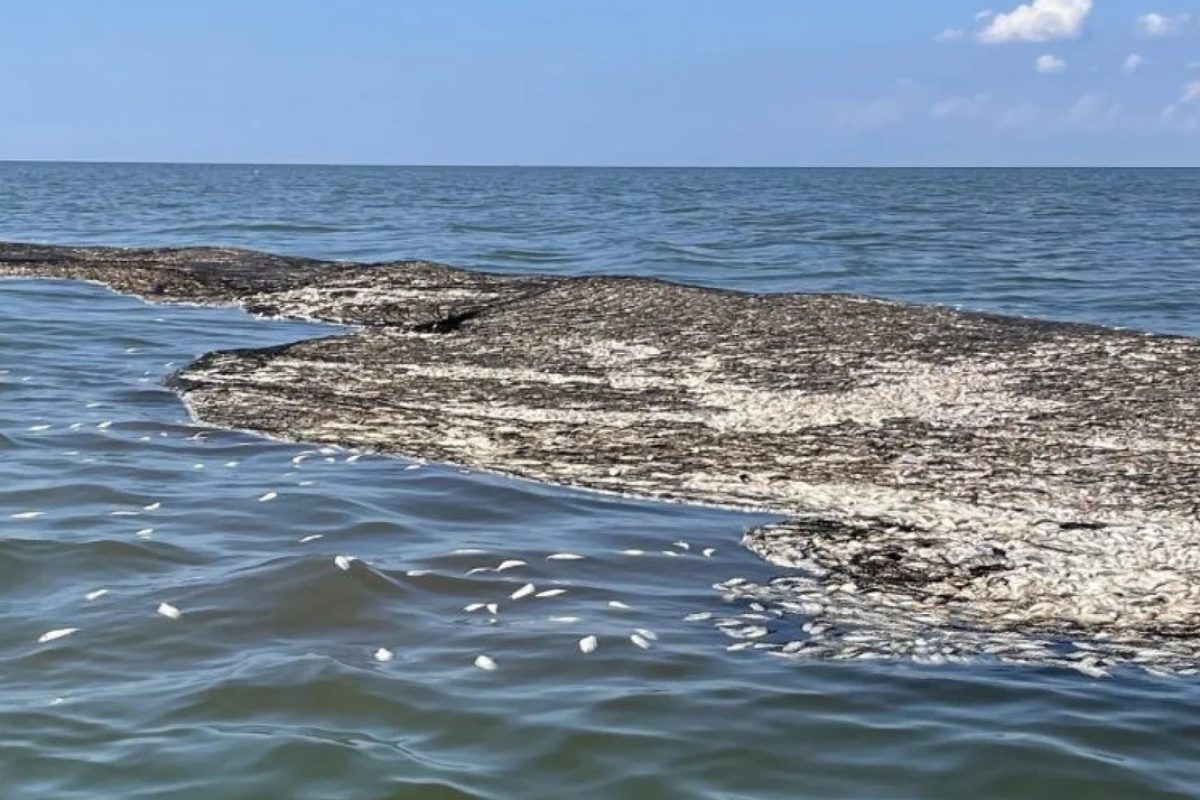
(841, 624)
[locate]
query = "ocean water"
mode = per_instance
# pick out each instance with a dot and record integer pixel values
(270, 680)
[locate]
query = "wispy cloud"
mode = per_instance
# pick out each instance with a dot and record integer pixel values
(1049, 64)
(1092, 111)
(1191, 93)
(1133, 62)
(950, 35)
(1155, 24)
(1173, 117)
(894, 106)
(985, 109)
(1038, 21)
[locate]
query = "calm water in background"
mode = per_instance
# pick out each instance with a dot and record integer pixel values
(267, 684)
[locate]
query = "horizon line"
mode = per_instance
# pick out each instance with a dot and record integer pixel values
(397, 165)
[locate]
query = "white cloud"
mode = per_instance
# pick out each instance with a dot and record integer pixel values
(1154, 24)
(982, 15)
(1049, 64)
(1038, 21)
(1133, 62)
(1191, 92)
(950, 35)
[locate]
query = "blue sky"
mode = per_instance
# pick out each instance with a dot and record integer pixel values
(670, 82)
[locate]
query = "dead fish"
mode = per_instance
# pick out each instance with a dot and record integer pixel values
(57, 633)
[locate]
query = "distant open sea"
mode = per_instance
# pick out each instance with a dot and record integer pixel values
(175, 621)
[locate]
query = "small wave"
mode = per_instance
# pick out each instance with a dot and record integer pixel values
(536, 256)
(237, 226)
(851, 237)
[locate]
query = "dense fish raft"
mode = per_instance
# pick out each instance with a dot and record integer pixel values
(950, 483)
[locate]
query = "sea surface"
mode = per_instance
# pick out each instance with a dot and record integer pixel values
(190, 613)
